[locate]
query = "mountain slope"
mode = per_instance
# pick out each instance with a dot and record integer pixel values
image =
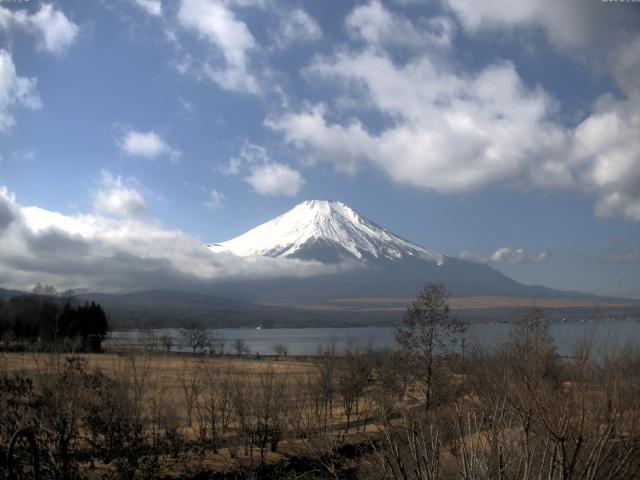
(328, 232)
(171, 308)
(385, 264)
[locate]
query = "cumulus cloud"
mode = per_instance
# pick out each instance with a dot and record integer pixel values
(54, 29)
(106, 253)
(152, 7)
(117, 197)
(449, 131)
(568, 24)
(444, 127)
(377, 25)
(275, 179)
(215, 22)
(607, 143)
(147, 145)
(296, 26)
(264, 175)
(506, 255)
(14, 90)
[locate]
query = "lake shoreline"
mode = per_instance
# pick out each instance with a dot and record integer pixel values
(307, 341)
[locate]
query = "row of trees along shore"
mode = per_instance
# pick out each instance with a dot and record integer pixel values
(417, 412)
(46, 320)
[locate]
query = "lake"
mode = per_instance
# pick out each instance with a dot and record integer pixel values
(307, 341)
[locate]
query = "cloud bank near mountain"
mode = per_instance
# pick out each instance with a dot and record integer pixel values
(110, 251)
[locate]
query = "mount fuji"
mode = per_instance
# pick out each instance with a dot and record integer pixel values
(368, 276)
(381, 263)
(328, 232)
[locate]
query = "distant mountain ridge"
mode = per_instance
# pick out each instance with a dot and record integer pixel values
(174, 309)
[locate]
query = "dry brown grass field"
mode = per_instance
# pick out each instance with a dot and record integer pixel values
(164, 384)
(164, 372)
(422, 411)
(167, 367)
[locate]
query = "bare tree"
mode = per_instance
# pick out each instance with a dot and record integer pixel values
(279, 349)
(214, 403)
(239, 346)
(207, 406)
(137, 375)
(300, 417)
(217, 342)
(325, 382)
(195, 336)
(190, 384)
(426, 331)
(150, 341)
(410, 450)
(546, 418)
(224, 396)
(391, 381)
(167, 343)
(270, 407)
(243, 405)
(353, 376)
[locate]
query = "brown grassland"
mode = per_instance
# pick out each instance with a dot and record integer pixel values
(430, 409)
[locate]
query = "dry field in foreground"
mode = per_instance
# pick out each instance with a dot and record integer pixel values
(515, 411)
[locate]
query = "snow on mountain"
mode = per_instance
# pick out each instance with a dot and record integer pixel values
(326, 231)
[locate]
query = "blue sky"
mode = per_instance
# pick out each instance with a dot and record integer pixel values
(501, 133)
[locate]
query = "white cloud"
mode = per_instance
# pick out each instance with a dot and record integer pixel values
(54, 29)
(448, 131)
(147, 145)
(568, 24)
(14, 90)
(275, 179)
(608, 144)
(377, 25)
(265, 176)
(506, 255)
(152, 7)
(214, 200)
(108, 253)
(115, 197)
(626, 66)
(296, 26)
(253, 153)
(213, 21)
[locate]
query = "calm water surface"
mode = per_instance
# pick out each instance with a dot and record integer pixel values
(307, 341)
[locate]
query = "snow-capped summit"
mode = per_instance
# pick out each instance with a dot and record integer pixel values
(327, 231)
